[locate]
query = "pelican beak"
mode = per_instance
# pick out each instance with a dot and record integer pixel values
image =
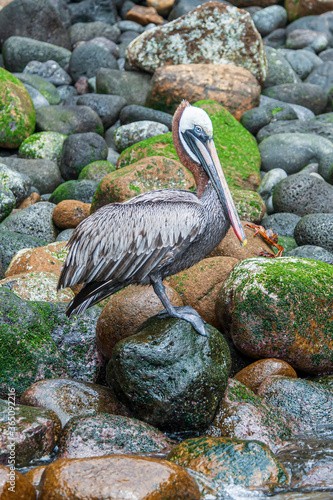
(211, 163)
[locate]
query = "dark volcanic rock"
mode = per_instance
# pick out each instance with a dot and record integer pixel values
(170, 376)
(93, 10)
(312, 252)
(316, 229)
(11, 243)
(107, 107)
(82, 32)
(282, 223)
(88, 58)
(304, 94)
(134, 113)
(68, 119)
(134, 86)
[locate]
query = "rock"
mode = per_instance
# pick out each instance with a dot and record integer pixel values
(36, 433)
(18, 183)
(102, 434)
(305, 401)
(268, 183)
(303, 194)
(127, 25)
(132, 133)
(319, 23)
(253, 375)
(279, 71)
(32, 19)
(65, 235)
(282, 223)
(236, 148)
(269, 19)
(43, 145)
(88, 58)
(220, 47)
(315, 229)
(65, 92)
(50, 70)
(11, 242)
(78, 151)
(70, 398)
(38, 100)
(292, 151)
(244, 415)
(325, 167)
(108, 107)
(302, 112)
(35, 220)
(118, 476)
(272, 293)
(256, 118)
(144, 15)
(276, 39)
(47, 89)
(198, 286)
(30, 200)
(322, 75)
(34, 475)
(299, 39)
(23, 488)
(143, 176)
(89, 11)
(19, 51)
(312, 252)
(96, 170)
(202, 378)
(47, 259)
(302, 61)
(69, 213)
(233, 87)
(304, 94)
(82, 32)
(134, 113)
(230, 247)
(18, 115)
(234, 461)
(317, 127)
(37, 286)
(43, 174)
(305, 8)
(126, 311)
(82, 190)
(7, 202)
(81, 87)
(68, 120)
(134, 86)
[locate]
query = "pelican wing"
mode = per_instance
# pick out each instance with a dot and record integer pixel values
(122, 242)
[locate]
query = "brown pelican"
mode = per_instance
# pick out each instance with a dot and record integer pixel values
(156, 234)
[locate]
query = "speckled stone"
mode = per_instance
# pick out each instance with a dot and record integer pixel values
(244, 415)
(282, 223)
(80, 190)
(50, 70)
(305, 94)
(256, 118)
(103, 434)
(7, 202)
(200, 43)
(37, 286)
(233, 461)
(127, 135)
(262, 296)
(321, 129)
(311, 252)
(36, 433)
(49, 258)
(315, 229)
(11, 242)
(255, 373)
(19, 184)
(23, 488)
(269, 19)
(43, 145)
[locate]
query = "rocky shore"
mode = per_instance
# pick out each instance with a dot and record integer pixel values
(119, 403)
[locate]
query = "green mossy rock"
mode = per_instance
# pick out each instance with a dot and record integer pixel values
(44, 145)
(307, 402)
(17, 116)
(287, 243)
(236, 148)
(7, 202)
(244, 415)
(82, 190)
(170, 376)
(280, 308)
(47, 89)
(232, 461)
(96, 170)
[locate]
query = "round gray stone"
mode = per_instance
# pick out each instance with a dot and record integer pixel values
(134, 86)
(256, 118)
(18, 183)
(65, 235)
(68, 120)
(127, 135)
(78, 151)
(279, 70)
(88, 58)
(305, 94)
(37, 98)
(299, 39)
(47, 89)
(81, 190)
(11, 242)
(7, 202)
(311, 252)
(321, 129)
(135, 113)
(325, 167)
(302, 61)
(302, 112)
(269, 19)
(315, 229)
(282, 223)
(269, 181)
(50, 70)
(82, 32)
(108, 107)
(43, 174)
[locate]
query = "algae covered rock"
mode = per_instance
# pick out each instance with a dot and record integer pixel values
(7, 202)
(96, 170)
(17, 117)
(82, 190)
(45, 145)
(280, 308)
(148, 174)
(234, 461)
(236, 148)
(170, 376)
(39, 286)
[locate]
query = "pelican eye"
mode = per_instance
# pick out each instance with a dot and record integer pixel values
(198, 129)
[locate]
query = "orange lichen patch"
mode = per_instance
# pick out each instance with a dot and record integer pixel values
(144, 15)
(253, 375)
(47, 259)
(31, 200)
(69, 213)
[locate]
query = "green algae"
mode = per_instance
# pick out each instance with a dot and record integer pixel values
(45, 145)
(96, 170)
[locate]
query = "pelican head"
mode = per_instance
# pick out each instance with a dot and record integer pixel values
(193, 138)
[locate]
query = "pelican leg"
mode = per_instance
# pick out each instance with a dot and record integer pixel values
(186, 313)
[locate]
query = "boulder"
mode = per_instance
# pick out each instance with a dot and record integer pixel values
(253, 375)
(49, 259)
(69, 213)
(43, 145)
(37, 286)
(23, 488)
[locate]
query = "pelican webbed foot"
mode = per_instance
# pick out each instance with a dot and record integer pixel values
(188, 314)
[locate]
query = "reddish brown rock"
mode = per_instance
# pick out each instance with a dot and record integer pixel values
(253, 375)
(198, 286)
(68, 398)
(233, 87)
(163, 7)
(126, 311)
(31, 200)
(69, 213)
(47, 259)
(144, 15)
(117, 477)
(82, 85)
(147, 174)
(230, 247)
(203, 36)
(35, 475)
(23, 489)
(302, 8)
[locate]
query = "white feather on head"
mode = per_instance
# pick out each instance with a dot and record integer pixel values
(191, 117)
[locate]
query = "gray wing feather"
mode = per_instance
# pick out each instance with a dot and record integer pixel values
(131, 240)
